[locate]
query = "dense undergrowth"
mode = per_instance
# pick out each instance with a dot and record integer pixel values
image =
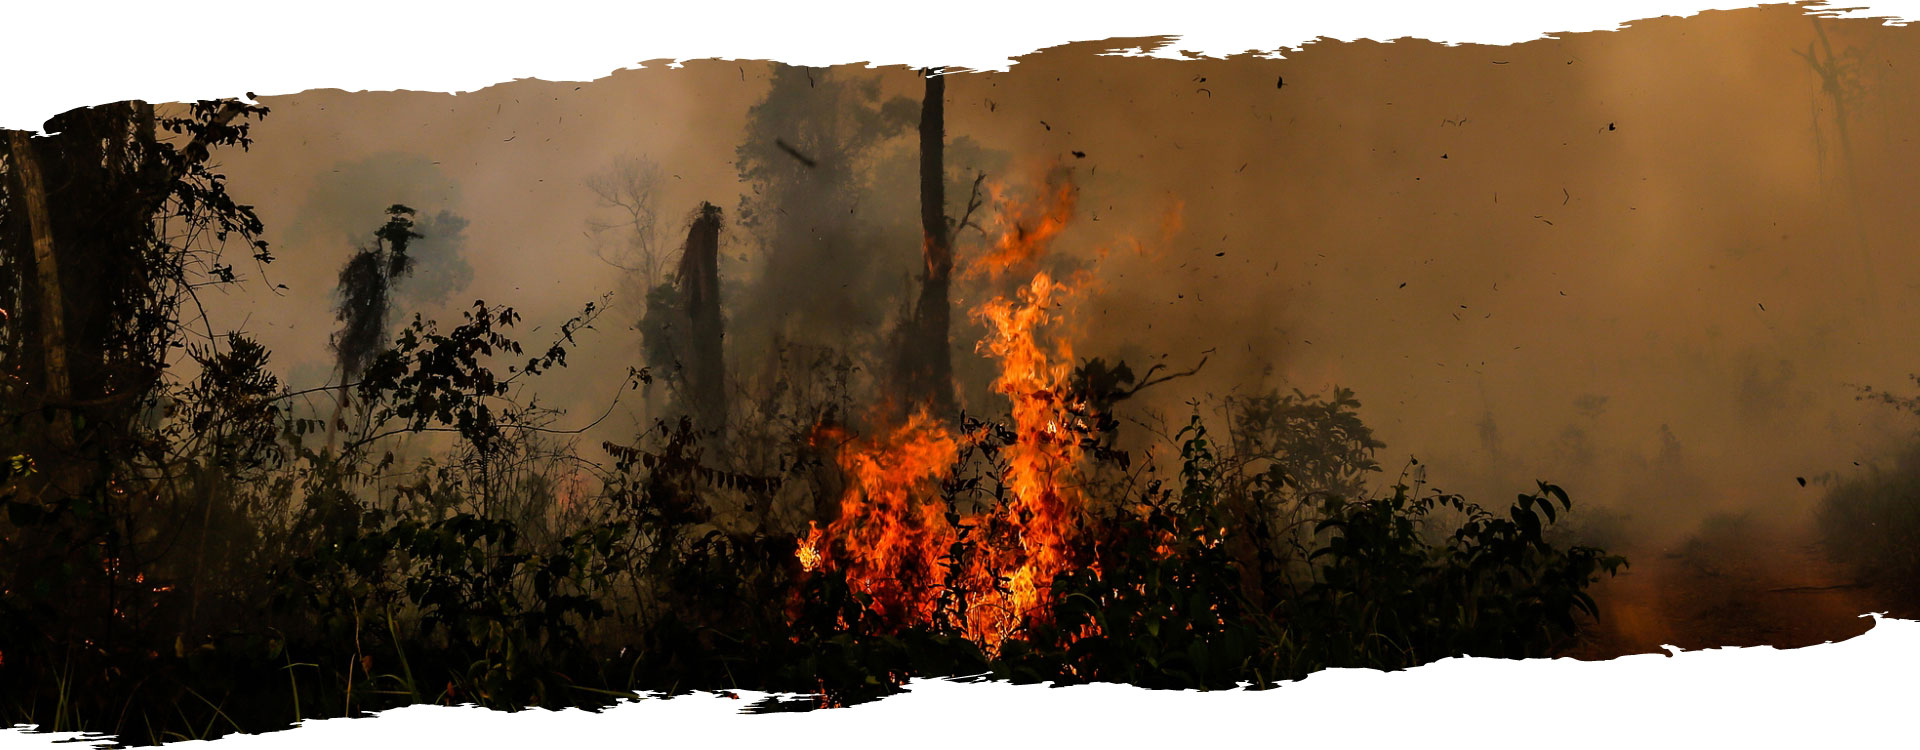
(189, 551)
(328, 580)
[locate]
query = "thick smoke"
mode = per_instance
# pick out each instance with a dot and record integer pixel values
(349, 200)
(1639, 264)
(808, 150)
(440, 267)
(832, 208)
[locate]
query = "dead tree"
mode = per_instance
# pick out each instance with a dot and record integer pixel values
(925, 358)
(706, 371)
(99, 250)
(53, 337)
(364, 308)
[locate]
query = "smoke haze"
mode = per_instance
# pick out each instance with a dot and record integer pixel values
(1650, 265)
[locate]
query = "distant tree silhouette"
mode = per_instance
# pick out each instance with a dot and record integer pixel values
(699, 279)
(805, 161)
(365, 297)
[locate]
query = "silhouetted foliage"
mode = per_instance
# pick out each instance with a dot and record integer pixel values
(214, 572)
(366, 285)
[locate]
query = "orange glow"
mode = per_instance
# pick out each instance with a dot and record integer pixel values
(809, 552)
(892, 527)
(1042, 507)
(1174, 220)
(1023, 231)
(895, 530)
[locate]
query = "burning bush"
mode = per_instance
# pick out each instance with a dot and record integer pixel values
(508, 570)
(1265, 563)
(1158, 591)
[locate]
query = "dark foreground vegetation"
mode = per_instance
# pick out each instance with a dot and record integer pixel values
(1871, 522)
(195, 549)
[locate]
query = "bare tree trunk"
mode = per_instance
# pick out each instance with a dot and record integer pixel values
(926, 357)
(53, 335)
(700, 293)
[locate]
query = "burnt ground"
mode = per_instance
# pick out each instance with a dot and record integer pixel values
(1738, 582)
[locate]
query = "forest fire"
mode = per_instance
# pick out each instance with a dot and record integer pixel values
(892, 527)
(883, 420)
(896, 534)
(1025, 230)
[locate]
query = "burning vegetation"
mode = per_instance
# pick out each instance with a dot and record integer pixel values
(788, 522)
(896, 533)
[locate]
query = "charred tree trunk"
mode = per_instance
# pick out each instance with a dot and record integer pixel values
(53, 337)
(91, 282)
(88, 305)
(706, 373)
(925, 357)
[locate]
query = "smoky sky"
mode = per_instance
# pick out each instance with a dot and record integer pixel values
(1650, 265)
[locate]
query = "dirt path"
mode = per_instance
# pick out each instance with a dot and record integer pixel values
(1736, 583)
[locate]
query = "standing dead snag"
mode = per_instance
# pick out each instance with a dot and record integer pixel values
(925, 359)
(53, 338)
(706, 372)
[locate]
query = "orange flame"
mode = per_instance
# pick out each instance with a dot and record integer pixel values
(1043, 506)
(895, 529)
(1024, 231)
(892, 528)
(809, 552)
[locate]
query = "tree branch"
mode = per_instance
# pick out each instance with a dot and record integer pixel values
(973, 203)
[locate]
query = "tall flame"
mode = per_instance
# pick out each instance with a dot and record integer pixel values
(895, 531)
(1043, 506)
(892, 527)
